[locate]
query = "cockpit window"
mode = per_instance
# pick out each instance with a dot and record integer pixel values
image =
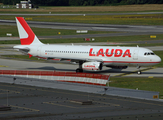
(149, 53)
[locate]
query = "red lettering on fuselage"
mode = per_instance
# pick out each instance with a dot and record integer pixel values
(100, 52)
(107, 52)
(90, 52)
(116, 52)
(127, 53)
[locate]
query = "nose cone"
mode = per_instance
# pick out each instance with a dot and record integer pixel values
(157, 59)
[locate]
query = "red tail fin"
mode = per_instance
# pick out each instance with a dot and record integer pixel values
(26, 34)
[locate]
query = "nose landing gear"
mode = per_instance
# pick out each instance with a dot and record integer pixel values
(139, 71)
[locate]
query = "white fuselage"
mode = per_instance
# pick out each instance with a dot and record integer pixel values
(108, 55)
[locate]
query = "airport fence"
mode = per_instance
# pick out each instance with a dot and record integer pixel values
(84, 78)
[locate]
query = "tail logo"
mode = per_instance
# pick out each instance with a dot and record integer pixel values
(26, 34)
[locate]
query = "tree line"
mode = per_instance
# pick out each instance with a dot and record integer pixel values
(83, 2)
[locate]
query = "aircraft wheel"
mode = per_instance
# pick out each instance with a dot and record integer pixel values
(139, 72)
(79, 70)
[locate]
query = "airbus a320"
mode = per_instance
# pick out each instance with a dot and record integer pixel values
(88, 57)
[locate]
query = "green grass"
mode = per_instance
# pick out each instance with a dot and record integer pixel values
(99, 19)
(8, 29)
(106, 39)
(20, 57)
(106, 19)
(10, 42)
(140, 45)
(149, 84)
(43, 31)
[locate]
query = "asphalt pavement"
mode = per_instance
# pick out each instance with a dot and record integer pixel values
(33, 103)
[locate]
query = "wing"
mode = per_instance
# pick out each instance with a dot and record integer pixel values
(75, 60)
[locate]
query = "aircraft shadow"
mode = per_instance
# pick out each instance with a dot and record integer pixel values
(94, 72)
(150, 73)
(73, 70)
(51, 68)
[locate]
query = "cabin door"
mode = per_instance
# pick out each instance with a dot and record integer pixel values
(39, 51)
(135, 56)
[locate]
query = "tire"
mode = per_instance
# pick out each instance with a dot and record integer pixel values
(139, 72)
(79, 70)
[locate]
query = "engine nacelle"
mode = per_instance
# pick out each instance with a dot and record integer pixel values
(118, 67)
(94, 66)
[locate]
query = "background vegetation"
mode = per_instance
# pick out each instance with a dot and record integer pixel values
(84, 2)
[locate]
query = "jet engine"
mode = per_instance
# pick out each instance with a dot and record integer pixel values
(94, 66)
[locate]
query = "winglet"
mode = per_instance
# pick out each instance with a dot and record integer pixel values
(27, 36)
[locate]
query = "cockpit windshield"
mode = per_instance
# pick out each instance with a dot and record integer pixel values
(149, 53)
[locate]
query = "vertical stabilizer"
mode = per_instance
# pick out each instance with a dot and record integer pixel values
(27, 36)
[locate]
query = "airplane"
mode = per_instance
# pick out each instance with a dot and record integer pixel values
(91, 58)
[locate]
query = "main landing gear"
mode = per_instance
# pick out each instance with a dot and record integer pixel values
(139, 71)
(80, 67)
(79, 70)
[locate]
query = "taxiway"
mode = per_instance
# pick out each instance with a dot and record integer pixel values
(141, 29)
